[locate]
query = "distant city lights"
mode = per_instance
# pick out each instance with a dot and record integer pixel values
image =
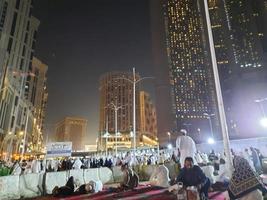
(169, 146)
(211, 141)
(263, 122)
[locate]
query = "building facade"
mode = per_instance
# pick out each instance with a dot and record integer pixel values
(117, 93)
(18, 32)
(148, 119)
(72, 129)
(248, 71)
(166, 119)
(239, 32)
(190, 67)
(36, 93)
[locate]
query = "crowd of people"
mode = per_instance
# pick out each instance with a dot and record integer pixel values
(146, 157)
(185, 154)
(243, 184)
(185, 147)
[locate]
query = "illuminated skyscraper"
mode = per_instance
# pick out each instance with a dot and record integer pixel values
(18, 32)
(240, 35)
(189, 62)
(259, 9)
(166, 119)
(119, 92)
(245, 78)
(36, 93)
(222, 42)
(245, 35)
(148, 118)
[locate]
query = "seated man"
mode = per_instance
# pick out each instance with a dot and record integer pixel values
(192, 175)
(130, 178)
(160, 176)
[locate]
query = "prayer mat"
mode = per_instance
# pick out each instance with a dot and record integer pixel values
(145, 192)
(142, 192)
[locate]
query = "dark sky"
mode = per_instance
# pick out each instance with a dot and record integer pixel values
(81, 39)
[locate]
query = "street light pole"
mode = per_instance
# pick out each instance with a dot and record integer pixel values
(169, 134)
(259, 101)
(263, 121)
(25, 134)
(211, 130)
(116, 130)
(116, 108)
(134, 82)
(218, 92)
(210, 123)
(134, 114)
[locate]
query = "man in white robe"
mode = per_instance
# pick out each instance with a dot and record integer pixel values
(16, 169)
(36, 166)
(128, 159)
(187, 147)
(55, 165)
(205, 158)
(198, 158)
(77, 164)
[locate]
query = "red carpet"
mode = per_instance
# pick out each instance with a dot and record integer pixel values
(142, 192)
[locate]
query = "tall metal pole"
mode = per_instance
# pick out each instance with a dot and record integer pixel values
(106, 147)
(211, 129)
(219, 93)
(134, 114)
(262, 109)
(106, 135)
(25, 135)
(134, 82)
(116, 129)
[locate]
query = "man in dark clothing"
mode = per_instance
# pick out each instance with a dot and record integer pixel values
(66, 190)
(192, 175)
(130, 178)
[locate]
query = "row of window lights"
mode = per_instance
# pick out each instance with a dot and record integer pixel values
(249, 65)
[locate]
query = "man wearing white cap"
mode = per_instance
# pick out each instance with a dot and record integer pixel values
(187, 146)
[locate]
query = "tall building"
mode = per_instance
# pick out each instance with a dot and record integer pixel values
(148, 119)
(72, 129)
(239, 32)
(245, 36)
(259, 9)
(18, 32)
(222, 42)
(36, 92)
(190, 67)
(116, 92)
(166, 119)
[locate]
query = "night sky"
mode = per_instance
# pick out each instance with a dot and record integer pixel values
(81, 39)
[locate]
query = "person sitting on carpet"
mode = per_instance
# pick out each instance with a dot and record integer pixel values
(66, 190)
(192, 175)
(130, 178)
(245, 184)
(160, 176)
(91, 187)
